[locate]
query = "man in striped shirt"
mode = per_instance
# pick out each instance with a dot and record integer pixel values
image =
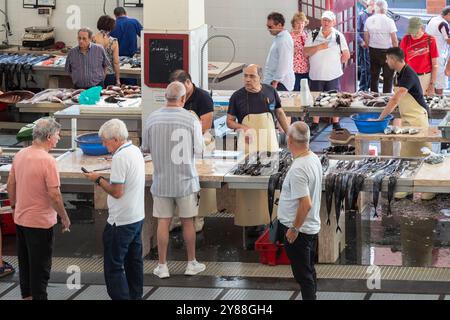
(87, 62)
(173, 136)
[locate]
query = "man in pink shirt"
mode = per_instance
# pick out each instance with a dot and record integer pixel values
(34, 191)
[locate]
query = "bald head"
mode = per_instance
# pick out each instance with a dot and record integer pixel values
(175, 92)
(299, 133)
(252, 77)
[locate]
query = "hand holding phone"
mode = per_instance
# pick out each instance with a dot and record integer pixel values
(84, 170)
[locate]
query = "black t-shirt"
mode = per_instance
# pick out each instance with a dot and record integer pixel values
(408, 79)
(243, 103)
(200, 102)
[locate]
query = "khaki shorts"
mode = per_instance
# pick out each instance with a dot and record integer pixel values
(185, 207)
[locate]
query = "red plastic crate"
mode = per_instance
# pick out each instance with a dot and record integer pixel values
(7, 224)
(269, 253)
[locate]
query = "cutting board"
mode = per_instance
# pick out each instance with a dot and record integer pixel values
(437, 175)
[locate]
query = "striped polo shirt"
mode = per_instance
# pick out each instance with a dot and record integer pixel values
(173, 136)
(87, 69)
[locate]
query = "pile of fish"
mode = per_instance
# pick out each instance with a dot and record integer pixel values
(334, 99)
(15, 67)
(345, 181)
(5, 160)
(340, 150)
(123, 91)
(134, 62)
(438, 102)
(398, 130)
(258, 164)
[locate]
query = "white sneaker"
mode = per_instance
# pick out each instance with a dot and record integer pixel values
(194, 267)
(199, 224)
(162, 271)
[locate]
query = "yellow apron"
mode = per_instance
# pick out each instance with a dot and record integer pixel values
(413, 115)
(252, 205)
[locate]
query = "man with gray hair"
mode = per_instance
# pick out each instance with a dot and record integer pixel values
(87, 63)
(380, 33)
(299, 209)
(36, 200)
(123, 264)
(173, 136)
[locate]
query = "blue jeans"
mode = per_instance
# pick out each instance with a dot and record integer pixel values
(298, 79)
(123, 262)
(364, 67)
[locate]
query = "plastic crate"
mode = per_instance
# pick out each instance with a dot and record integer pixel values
(7, 224)
(270, 253)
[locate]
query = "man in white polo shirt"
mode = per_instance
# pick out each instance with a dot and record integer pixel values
(440, 29)
(327, 50)
(123, 263)
(380, 34)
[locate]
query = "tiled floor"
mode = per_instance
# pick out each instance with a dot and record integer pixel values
(98, 292)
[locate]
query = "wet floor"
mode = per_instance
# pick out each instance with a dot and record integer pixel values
(417, 234)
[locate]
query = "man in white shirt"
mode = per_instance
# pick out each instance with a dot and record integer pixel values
(380, 34)
(123, 263)
(440, 29)
(327, 50)
(299, 209)
(279, 70)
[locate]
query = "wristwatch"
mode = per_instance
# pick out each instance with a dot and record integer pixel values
(294, 230)
(98, 180)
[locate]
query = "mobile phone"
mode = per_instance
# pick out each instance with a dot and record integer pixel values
(84, 170)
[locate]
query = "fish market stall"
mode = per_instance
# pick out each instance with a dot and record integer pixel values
(357, 176)
(431, 134)
(211, 174)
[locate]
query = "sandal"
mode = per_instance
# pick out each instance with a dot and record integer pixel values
(6, 270)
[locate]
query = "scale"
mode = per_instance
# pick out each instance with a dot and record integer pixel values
(38, 37)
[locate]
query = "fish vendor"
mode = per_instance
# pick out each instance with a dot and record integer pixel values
(252, 112)
(409, 98)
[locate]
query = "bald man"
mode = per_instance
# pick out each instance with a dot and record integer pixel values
(299, 209)
(254, 98)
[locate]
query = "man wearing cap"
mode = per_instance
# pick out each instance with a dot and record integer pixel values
(439, 28)
(327, 50)
(380, 33)
(421, 54)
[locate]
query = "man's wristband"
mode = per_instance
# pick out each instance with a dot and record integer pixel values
(294, 230)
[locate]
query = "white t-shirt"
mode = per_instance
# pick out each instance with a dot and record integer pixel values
(303, 179)
(439, 28)
(326, 64)
(380, 27)
(128, 168)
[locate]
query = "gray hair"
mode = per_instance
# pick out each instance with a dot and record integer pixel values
(114, 129)
(86, 29)
(45, 128)
(175, 91)
(381, 6)
(445, 11)
(299, 132)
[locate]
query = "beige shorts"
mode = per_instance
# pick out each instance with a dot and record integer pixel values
(185, 207)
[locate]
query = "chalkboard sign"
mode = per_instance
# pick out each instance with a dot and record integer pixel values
(164, 53)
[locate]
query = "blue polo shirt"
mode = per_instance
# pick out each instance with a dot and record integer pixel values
(126, 32)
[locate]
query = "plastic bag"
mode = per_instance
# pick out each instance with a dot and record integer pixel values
(91, 96)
